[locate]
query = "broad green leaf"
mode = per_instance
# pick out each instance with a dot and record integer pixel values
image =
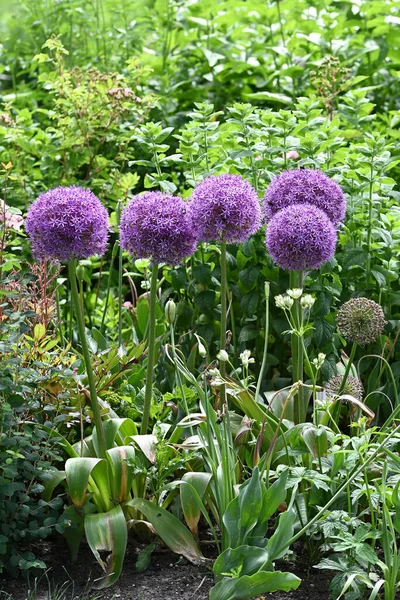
(108, 532)
(170, 530)
(243, 512)
(121, 473)
(49, 486)
(250, 586)
(249, 559)
(115, 431)
(277, 544)
(86, 472)
(147, 444)
(190, 506)
(272, 498)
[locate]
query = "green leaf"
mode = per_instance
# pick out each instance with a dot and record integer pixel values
(277, 544)
(108, 532)
(121, 474)
(170, 530)
(247, 559)
(84, 472)
(272, 498)
(250, 586)
(243, 512)
(205, 301)
(190, 506)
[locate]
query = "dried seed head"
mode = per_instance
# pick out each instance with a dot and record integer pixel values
(361, 320)
(353, 387)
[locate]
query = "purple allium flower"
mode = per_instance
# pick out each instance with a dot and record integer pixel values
(66, 223)
(156, 225)
(225, 207)
(301, 237)
(305, 186)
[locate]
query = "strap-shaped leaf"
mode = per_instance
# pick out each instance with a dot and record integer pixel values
(87, 472)
(147, 443)
(170, 530)
(121, 478)
(115, 431)
(49, 486)
(108, 532)
(190, 505)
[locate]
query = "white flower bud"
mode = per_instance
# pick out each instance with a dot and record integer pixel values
(223, 356)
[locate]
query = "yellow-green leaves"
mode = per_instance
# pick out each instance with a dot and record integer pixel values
(108, 532)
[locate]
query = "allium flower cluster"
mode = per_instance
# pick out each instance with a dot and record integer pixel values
(301, 237)
(225, 208)
(66, 223)
(305, 186)
(10, 220)
(361, 320)
(353, 387)
(156, 225)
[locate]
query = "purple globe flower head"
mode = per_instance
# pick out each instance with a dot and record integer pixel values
(305, 186)
(300, 237)
(156, 225)
(67, 223)
(225, 208)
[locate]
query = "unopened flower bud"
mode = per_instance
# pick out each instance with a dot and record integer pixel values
(319, 361)
(170, 312)
(223, 356)
(202, 349)
(80, 272)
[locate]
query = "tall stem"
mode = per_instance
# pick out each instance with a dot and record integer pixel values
(222, 339)
(264, 360)
(113, 256)
(348, 367)
(296, 281)
(86, 356)
(120, 270)
(151, 350)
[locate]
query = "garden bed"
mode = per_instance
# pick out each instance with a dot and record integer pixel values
(169, 577)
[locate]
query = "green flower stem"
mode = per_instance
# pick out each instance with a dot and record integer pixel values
(113, 256)
(348, 367)
(59, 319)
(178, 375)
(120, 272)
(86, 356)
(151, 350)
(222, 339)
(300, 409)
(264, 360)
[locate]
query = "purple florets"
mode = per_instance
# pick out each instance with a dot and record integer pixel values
(67, 223)
(225, 208)
(305, 186)
(301, 237)
(156, 225)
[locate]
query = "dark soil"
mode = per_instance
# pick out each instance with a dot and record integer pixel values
(169, 577)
